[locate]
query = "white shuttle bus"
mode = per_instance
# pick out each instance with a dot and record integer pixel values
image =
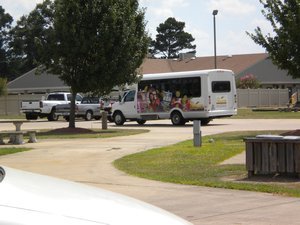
(179, 96)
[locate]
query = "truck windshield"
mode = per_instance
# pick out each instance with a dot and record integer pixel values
(78, 97)
(130, 96)
(56, 97)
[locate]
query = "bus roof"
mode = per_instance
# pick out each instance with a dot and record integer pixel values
(184, 74)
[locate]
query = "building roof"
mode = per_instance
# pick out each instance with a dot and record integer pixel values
(236, 63)
(268, 73)
(33, 82)
(30, 82)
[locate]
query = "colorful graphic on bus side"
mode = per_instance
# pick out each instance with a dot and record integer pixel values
(152, 100)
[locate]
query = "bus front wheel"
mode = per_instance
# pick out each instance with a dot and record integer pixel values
(177, 119)
(119, 118)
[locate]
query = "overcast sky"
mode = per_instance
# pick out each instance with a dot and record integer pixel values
(234, 18)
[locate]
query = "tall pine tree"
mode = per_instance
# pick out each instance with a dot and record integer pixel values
(171, 39)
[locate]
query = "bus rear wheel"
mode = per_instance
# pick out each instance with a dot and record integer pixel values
(177, 119)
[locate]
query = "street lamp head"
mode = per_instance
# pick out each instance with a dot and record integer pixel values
(215, 12)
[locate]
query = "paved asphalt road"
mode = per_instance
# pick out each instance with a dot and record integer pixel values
(89, 161)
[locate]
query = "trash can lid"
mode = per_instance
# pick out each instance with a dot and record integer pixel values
(269, 136)
(291, 137)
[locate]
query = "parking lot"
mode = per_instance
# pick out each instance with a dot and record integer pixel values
(89, 161)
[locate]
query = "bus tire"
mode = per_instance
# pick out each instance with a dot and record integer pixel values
(119, 119)
(141, 121)
(177, 118)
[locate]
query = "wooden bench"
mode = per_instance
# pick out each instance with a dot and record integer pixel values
(17, 137)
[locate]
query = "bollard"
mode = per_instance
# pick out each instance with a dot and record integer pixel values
(104, 120)
(197, 133)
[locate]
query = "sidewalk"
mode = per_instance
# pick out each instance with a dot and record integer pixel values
(89, 161)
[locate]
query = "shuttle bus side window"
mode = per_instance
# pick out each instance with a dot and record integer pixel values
(195, 87)
(220, 86)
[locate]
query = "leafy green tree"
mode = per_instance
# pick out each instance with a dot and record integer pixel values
(38, 24)
(284, 46)
(247, 81)
(171, 39)
(3, 82)
(97, 45)
(5, 25)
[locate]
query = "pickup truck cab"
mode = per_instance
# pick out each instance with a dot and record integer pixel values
(88, 108)
(47, 107)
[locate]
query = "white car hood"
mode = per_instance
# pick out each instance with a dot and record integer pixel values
(31, 199)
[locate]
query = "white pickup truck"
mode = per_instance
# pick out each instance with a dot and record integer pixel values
(47, 107)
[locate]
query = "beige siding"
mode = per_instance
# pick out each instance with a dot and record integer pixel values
(262, 97)
(11, 104)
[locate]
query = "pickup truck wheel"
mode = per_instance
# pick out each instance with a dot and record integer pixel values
(88, 115)
(119, 118)
(52, 116)
(31, 117)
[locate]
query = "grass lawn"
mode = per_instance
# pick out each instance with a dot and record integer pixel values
(64, 133)
(249, 114)
(182, 163)
(6, 151)
(10, 117)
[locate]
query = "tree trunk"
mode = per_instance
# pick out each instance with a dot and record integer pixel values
(72, 111)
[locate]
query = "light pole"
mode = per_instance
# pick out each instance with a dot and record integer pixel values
(215, 12)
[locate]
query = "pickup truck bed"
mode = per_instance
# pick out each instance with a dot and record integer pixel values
(31, 109)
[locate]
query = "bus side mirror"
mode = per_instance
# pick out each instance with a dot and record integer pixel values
(120, 98)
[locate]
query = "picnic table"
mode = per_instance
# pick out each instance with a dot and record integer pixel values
(16, 136)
